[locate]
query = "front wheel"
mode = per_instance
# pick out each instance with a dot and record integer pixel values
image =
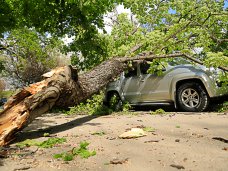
(115, 102)
(192, 97)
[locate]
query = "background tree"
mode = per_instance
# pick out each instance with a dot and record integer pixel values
(28, 54)
(79, 19)
(2, 85)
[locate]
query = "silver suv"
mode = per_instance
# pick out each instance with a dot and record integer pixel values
(188, 87)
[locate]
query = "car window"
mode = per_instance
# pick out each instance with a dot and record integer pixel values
(131, 72)
(144, 67)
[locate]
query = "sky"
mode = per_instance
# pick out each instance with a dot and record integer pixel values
(120, 9)
(226, 4)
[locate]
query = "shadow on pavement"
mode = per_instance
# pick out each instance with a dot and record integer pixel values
(53, 129)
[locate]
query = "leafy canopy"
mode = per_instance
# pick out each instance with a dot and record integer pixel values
(195, 27)
(28, 55)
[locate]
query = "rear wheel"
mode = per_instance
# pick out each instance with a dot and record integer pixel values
(115, 102)
(192, 97)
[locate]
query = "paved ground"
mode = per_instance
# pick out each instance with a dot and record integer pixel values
(180, 140)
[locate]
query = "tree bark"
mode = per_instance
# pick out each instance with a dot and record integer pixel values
(62, 87)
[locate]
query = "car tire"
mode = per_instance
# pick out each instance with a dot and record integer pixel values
(192, 97)
(114, 102)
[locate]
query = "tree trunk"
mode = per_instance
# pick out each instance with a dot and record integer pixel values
(62, 87)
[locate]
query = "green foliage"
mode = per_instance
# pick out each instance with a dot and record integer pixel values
(126, 107)
(158, 111)
(165, 27)
(92, 52)
(6, 94)
(148, 129)
(64, 156)
(44, 144)
(79, 19)
(2, 68)
(7, 17)
(216, 59)
(223, 107)
(220, 105)
(58, 110)
(93, 106)
(27, 143)
(46, 134)
(28, 55)
(158, 27)
(81, 151)
(157, 66)
(71, 17)
(51, 142)
(100, 133)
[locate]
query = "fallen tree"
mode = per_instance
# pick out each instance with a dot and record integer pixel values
(62, 87)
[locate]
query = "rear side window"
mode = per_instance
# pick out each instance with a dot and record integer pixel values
(144, 67)
(131, 72)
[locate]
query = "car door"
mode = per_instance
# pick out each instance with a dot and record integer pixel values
(153, 87)
(131, 86)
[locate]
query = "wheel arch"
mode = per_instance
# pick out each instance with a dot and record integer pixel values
(179, 82)
(203, 97)
(111, 92)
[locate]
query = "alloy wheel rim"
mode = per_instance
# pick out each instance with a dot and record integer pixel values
(190, 98)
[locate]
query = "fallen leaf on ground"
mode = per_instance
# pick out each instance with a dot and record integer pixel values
(148, 129)
(177, 166)
(3, 154)
(23, 168)
(133, 133)
(119, 161)
(100, 133)
(225, 148)
(150, 141)
(177, 140)
(220, 139)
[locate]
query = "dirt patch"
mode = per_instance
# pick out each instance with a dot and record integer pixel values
(178, 141)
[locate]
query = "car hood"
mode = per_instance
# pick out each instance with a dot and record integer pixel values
(198, 67)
